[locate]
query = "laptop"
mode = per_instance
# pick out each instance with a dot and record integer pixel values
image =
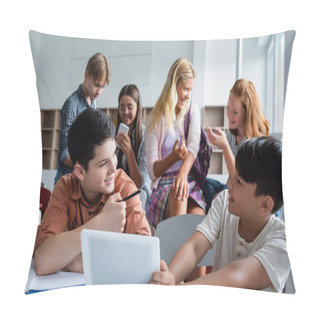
(118, 258)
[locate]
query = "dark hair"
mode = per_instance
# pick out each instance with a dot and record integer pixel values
(132, 91)
(258, 161)
(91, 128)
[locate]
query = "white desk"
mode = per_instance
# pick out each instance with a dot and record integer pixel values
(56, 280)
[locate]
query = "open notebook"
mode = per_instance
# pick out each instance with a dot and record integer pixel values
(56, 280)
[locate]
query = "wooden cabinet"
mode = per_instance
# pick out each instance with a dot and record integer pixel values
(50, 133)
(145, 113)
(216, 116)
(213, 116)
(112, 113)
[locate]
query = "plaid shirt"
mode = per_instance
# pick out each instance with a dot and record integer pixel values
(73, 106)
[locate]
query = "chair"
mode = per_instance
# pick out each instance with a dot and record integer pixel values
(44, 199)
(289, 287)
(153, 231)
(175, 231)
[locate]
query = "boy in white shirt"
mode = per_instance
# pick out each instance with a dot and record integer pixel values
(251, 245)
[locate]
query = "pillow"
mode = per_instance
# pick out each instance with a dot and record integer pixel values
(60, 64)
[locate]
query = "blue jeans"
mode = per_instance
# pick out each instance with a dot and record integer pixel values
(211, 188)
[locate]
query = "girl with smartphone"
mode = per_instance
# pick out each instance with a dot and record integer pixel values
(131, 147)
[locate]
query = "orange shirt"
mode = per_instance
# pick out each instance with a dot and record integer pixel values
(68, 209)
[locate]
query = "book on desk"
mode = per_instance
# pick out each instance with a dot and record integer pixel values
(60, 279)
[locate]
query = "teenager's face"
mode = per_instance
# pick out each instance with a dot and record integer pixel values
(184, 88)
(242, 199)
(236, 113)
(93, 88)
(128, 110)
(99, 178)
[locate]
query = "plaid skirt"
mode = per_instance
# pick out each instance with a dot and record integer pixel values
(159, 197)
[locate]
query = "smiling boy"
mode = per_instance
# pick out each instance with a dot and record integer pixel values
(251, 245)
(87, 198)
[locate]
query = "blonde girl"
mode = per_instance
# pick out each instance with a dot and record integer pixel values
(170, 155)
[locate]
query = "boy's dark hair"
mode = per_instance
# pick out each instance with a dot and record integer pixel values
(91, 128)
(258, 161)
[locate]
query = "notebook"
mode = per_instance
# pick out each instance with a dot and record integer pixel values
(118, 258)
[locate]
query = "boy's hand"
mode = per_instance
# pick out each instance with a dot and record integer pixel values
(164, 276)
(113, 214)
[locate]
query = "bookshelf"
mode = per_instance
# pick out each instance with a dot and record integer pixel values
(213, 116)
(50, 133)
(112, 113)
(216, 116)
(145, 113)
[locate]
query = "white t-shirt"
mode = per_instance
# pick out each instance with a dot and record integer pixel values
(269, 246)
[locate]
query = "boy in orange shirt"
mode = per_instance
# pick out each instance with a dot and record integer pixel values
(88, 198)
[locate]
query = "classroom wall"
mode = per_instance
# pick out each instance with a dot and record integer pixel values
(60, 63)
(220, 74)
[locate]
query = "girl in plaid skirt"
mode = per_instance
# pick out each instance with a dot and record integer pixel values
(170, 155)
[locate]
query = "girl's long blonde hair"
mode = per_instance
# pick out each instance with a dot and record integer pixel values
(256, 122)
(181, 69)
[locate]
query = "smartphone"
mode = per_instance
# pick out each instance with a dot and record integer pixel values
(123, 128)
